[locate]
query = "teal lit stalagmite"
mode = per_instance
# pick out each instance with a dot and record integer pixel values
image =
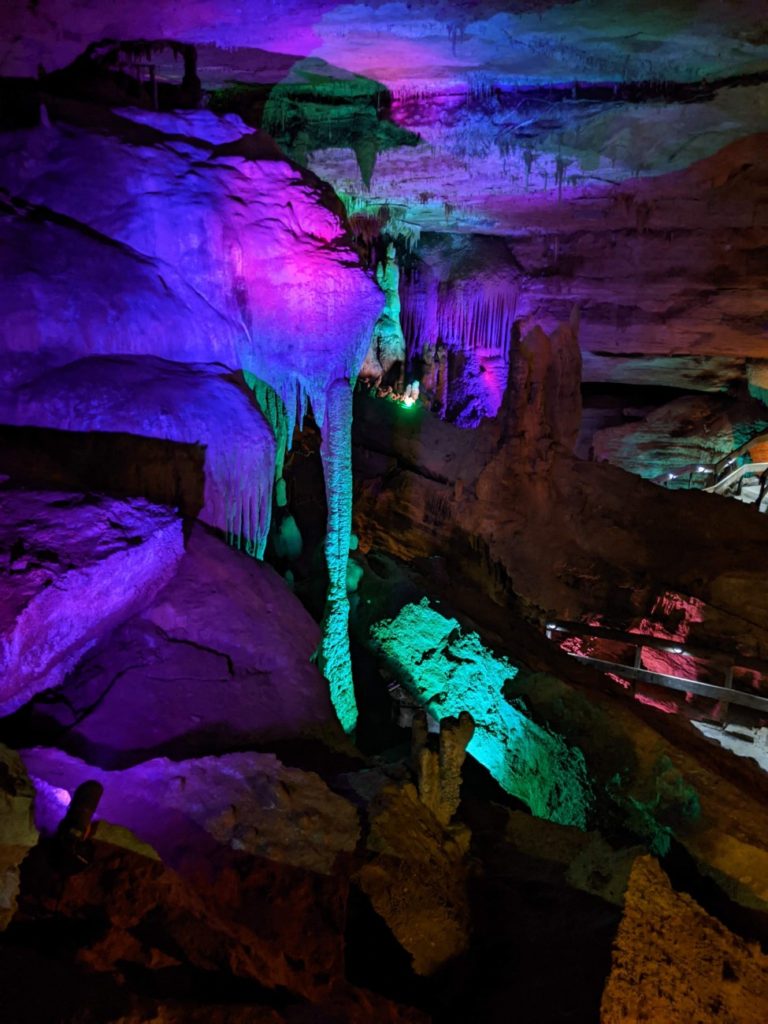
(336, 452)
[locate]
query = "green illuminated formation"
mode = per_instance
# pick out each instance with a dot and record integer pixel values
(274, 411)
(669, 804)
(336, 452)
(449, 672)
(318, 106)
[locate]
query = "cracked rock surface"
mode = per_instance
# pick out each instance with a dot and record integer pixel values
(219, 661)
(60, 557)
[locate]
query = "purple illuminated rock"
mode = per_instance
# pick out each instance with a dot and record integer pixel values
(252, 245)
(191, 811)
(73, 567)
(219, 661)
(152, 397)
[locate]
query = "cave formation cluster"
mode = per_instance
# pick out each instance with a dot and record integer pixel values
(383, 492)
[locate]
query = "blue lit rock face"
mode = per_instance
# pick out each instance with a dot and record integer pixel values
(450, 672)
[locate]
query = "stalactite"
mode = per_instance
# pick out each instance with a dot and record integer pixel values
(274, 410)
(474, 316)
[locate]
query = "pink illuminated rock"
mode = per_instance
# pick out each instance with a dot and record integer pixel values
(220, 660)
(73, 566)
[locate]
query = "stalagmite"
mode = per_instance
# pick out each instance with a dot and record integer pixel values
(336, 452)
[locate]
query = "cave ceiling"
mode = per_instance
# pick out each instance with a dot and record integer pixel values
(508, 100)
(614, 149)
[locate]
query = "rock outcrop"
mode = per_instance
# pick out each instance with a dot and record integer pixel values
(218, 661)
(416, 877)
(191, 404)
(674, 440)
(439, 771)
(494, 499)
(75, 566)
(186, 809)
(258, 841)
(455, 677)
(673, 962)
(146, 923)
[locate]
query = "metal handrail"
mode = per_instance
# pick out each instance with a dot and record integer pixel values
(719, 661)
(746, 469)
(716, 469)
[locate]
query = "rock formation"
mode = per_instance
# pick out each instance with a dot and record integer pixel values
(17, 830)
(697, 970)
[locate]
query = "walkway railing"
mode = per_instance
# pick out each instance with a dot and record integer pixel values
(728, 473)
(722, 664)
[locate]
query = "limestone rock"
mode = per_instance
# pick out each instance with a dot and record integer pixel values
(416, 877)
(448, 671)
(187, 809)
(609, 538)
(151, 917)
(256, 239)
(144, 947)
(17, 829)
(191, 404)
(73, 567)
(439, 771)
(266, 843)
(220, 660)
(584, 860)
(673, 962)
(681, 435)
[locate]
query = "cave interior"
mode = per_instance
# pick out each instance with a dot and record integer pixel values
(383, 492)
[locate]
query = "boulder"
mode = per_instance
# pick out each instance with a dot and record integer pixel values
(415, 877)
(73, 567)
(672, 962)
(265, 845)
(186, 810)
(219, 661)
(454, 675)
(545, 851)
